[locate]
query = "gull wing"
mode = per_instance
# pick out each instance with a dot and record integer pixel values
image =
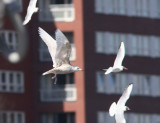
(125, 96)
(63, 48)
(50, 42)
(119, 116)
(30, 11)
(112, 109)
(120, 56)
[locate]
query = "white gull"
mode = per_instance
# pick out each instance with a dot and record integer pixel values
(119, 108)
(117, 66)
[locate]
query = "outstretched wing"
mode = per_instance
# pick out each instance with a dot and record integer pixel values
(63, 48)
(50, 42)
(120, 56)
(125, 96)
(30, 11)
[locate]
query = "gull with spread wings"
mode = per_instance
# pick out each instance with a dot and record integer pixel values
(117, 67)
(60, 50)
(119, 108)
(31, 9)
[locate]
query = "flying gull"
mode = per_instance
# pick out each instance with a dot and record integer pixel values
(119, 108)
(60, 50)
(117, 67)
(31, 9)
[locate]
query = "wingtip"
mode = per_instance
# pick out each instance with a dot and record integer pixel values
(24, 23)
(40, 30)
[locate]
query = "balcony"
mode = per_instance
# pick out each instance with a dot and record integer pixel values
(59, 93)
(62, 12)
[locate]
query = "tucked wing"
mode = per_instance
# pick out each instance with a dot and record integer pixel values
(120, 56)
(30, 11)
(50, 42)
(125, 96)
(120, 117)
(63, 48)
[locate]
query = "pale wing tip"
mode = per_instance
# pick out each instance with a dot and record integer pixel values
(40, 30)
(130, 86)
(25, 22)
(44, 73)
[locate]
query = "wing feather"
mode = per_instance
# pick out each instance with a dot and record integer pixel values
(120, 56)
(50, 42)
(63, 48)
(59, 49)
(30, 11)
(125, 96)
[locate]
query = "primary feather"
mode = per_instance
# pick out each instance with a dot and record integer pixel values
(59, 49)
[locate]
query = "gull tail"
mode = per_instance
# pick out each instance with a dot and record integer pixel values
(112, 109)
(48, 72)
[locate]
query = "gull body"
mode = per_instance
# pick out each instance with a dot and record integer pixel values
(117, 66)
(31, 9)
(60, 50)
(119, 108)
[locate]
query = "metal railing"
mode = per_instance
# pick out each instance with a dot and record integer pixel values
(58, 13)
(59, 94)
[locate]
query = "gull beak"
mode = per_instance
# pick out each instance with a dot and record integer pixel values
(125, 68)
(128, 109)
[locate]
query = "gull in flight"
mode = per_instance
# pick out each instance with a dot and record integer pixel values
(119, 108)
(31, 9)
(117, 67)
(60, 50)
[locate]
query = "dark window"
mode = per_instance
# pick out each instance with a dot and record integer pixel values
(60, 1)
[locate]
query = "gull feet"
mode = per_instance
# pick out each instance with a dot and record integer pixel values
(55, 79)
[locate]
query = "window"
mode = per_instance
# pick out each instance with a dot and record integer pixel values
(10, 38)
(103, 117)
(12, 117)
(11, 81)
(44, 53)
(140, 8)
(64, 90)
(60, 1)
(58, 118)
(57, 10)
(135, 45)
(147, 85)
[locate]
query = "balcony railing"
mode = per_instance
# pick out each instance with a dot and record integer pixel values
(60, 93)
(57, 13)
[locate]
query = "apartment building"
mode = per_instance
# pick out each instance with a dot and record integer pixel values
(95, 29)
